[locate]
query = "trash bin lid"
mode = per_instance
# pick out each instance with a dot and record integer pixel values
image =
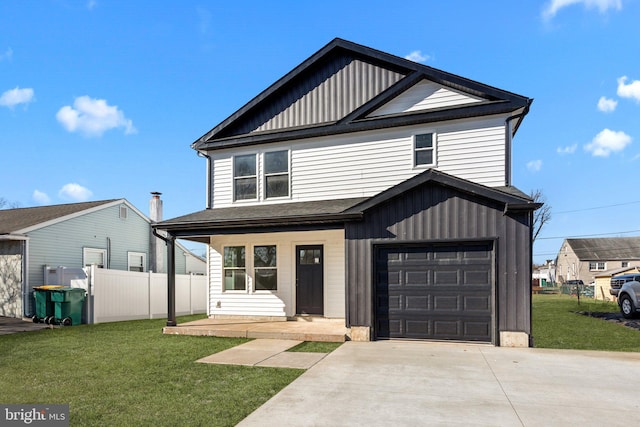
(47, 287)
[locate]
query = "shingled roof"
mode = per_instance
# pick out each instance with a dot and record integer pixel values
(606, 248)
(16, 220)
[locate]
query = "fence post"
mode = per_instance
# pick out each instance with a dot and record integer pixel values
(150, 315)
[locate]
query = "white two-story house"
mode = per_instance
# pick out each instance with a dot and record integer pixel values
(371, 188)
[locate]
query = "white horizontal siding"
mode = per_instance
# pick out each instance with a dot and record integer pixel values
(366, 163)
(425, 96)
(281, 302)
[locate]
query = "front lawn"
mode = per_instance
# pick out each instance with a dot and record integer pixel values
(557, 324)
(129, 373)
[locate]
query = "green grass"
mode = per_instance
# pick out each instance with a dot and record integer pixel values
(316, 347)
(556, 324)
(129, 373)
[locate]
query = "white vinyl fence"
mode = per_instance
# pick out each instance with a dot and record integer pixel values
(115, 295)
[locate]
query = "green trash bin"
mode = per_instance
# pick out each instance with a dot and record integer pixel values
(68, 303)
(44, 305)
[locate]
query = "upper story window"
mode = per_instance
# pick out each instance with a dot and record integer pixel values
(424, 149)
(245, 178)
(276, 174)
(624, 264)
(597, 265)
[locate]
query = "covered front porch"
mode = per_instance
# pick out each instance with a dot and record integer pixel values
(298, 328)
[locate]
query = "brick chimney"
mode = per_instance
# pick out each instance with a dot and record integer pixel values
(157, 247)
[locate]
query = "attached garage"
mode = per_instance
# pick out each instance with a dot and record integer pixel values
(439, 258)
(439, 291)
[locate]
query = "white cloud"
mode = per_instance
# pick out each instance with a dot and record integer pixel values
(16, 96)
(417, 56)
(74, 192)
(93, 117)
(40, 197)
(631, 90)
(8, 54)
(607, 105)
(607, 142)
(554, 6)
(569, 149)
(534, 165)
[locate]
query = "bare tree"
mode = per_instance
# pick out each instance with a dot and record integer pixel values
(5, 204)
(542, 215)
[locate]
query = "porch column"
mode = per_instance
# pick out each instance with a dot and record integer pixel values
(171, 280)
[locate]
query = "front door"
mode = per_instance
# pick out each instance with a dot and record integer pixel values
(309, 280)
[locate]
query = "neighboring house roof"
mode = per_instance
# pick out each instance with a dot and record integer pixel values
(348, 84)
(212, 221)
(16, 221)
(617, 271)
(606, 248)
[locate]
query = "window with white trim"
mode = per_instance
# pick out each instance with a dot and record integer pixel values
(276, 174)
(136, 261)
(597, 266)
(624, 264)
(234, 266)
(424, 146)
(245, 177)
(91, 256)
(265, 268)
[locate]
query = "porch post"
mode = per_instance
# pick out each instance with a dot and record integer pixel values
(171, 280)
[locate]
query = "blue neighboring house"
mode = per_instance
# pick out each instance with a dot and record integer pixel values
(109, 233)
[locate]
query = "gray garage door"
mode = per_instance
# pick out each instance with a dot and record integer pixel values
(434, 292)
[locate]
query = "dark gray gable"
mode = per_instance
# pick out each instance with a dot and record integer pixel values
(333, 92)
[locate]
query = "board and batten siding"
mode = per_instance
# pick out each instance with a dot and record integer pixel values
(62, 243)
(367, 163)
(425, 95)
(433, 213)
(280, 303)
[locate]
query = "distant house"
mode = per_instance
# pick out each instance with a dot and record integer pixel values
(110, 233)
(603, 282)
(545, 275)
(584, 259)
(370, 188)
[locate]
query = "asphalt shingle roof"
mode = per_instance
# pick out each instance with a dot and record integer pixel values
(606, 248)
(13, 220)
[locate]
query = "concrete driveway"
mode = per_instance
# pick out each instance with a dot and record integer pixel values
(10, 325)
(401, 383)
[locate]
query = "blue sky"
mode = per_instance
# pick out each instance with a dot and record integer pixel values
(101, 99)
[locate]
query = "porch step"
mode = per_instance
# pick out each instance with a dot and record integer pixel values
(321, 331)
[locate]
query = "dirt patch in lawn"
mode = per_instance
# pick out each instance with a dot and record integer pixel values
(615, 318)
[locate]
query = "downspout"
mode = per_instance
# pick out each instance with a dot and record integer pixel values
(508, 140)
(209, 183)
(26, 301)
(171, 276)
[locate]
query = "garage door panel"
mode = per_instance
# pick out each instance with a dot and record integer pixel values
(435, 292)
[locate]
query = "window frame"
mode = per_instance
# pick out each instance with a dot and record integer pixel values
(433, 149)
(624, 264)
(265, 175)
(103, 252)
(256, 268)
(142, 255)
(234, 268)
(237, 178)
(595, 266)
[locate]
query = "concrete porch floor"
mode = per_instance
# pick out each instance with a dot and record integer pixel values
(300, 329)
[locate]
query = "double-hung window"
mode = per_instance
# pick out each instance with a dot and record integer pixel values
(91, 256)
(265, 268)
(235, 273)
(136, 261)
(245, 178)
(424, 149)
(276, 174)
(599, 266)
